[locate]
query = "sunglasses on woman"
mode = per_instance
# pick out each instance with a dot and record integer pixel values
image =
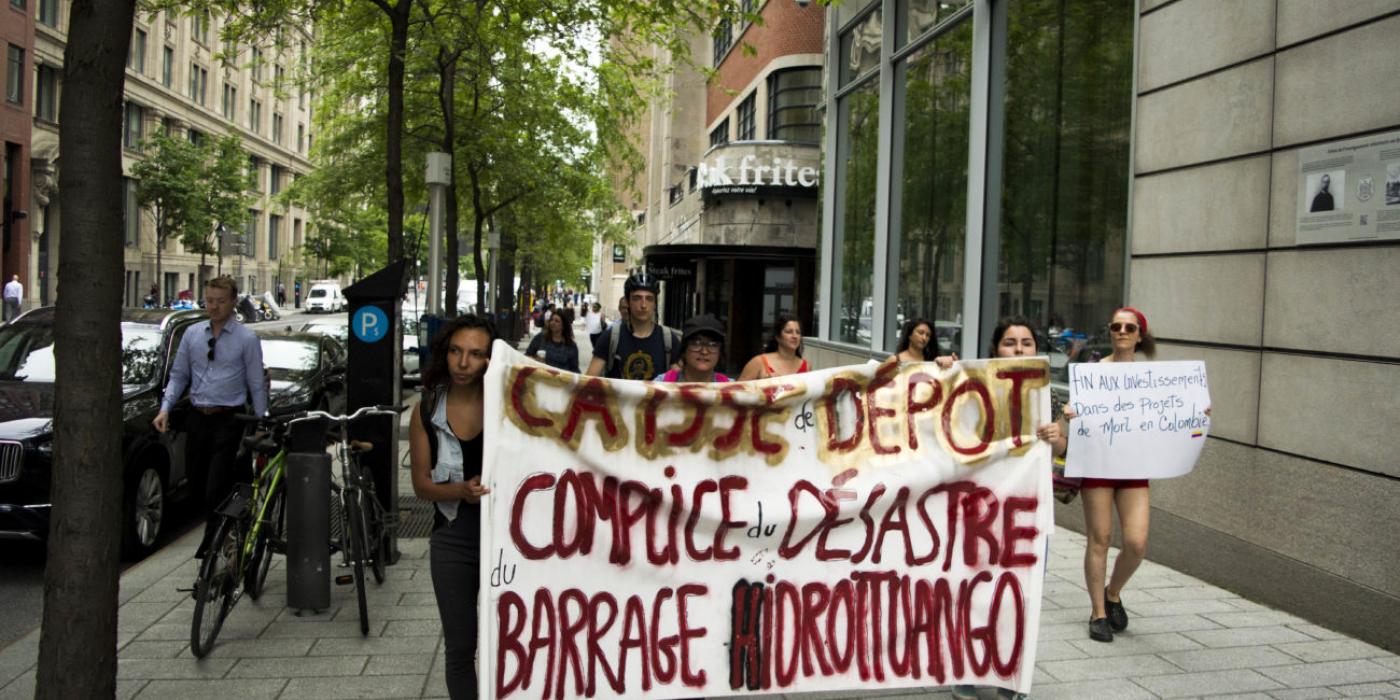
(1123, 327)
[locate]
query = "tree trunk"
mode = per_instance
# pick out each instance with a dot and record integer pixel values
(398, 46)
(505, 281)
(78, 642)
(447, 88)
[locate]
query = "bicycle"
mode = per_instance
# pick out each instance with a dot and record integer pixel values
(252, 522)
(364, 536)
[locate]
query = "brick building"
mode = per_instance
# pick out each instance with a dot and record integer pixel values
(17, 39)
(729, 213)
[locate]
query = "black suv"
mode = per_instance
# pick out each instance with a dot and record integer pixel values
(152, 463)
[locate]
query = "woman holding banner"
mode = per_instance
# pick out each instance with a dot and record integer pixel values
(701, 339)
(782, 355)
(916, 343)
(1128, 332)
(1016, 337)
(445, 446)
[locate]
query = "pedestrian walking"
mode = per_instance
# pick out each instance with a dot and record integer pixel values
(1016, 337)
(621, 312)
(916, 342)
(1129, 335)
(281, 293)
(702, 345)
(555, 346)
(14, 296)
(445, 448)
(296, 293)
(220, 361)
(594, 323)
(782, 355)
(640, 348)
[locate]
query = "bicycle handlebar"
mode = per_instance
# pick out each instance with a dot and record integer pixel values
(301, 416)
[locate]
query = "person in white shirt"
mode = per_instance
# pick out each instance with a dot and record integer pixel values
(593, 322)
(14, 295)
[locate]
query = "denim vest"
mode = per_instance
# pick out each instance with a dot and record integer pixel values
(448, 467)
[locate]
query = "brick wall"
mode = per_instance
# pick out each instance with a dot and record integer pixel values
(787, 29)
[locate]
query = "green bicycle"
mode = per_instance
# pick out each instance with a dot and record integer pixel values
(252, 527)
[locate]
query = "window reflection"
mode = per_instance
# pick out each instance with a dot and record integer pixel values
(860, 47)
(916, 17)
(1064, 190)
(929, 226)
(859, 126)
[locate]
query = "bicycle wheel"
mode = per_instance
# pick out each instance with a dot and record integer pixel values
(355, 542)
(273, 527)
(377, 535)
(215, 587)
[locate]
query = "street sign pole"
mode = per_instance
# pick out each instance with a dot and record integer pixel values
(438, 177)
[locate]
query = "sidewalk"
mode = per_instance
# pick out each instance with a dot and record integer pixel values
(1186, 639)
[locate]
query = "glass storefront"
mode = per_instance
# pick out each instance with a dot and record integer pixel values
(1044, 186)
(929, 227)
(1064, 198)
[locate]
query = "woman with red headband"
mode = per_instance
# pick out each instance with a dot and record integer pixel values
(1128, 331)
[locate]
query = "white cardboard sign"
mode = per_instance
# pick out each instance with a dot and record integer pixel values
(1137, 420)
(875, 527)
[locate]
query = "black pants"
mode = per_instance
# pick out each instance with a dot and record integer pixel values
(210, 451)
(454, 554)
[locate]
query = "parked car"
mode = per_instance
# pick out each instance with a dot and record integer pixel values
(338, 327)
(306, 371)
(153, 464)
(325, 297)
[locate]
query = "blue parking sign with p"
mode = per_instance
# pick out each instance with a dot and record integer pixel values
(370, 324)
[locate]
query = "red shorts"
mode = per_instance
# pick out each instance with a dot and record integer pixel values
(1112, 484)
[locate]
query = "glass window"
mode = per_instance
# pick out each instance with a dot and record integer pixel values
(257, 64)
(746, 117)
(167, 67)
(136, 54)
(230, 102)
(46, 94)
(301, 138)
(914, 18)
(251, 241)
(199, 82)
(860, 48)
(48, 12)
(723, 39)
(14, 75)
(255, 172)
(196, 137)
(200, 24)
(275, 179)
(131, 219)
(720, 135)
(274, 231)
(1064, 201)
(133, 130)
(858, 136)
(254, 115)
(793, 96)
(276, 128)
(928, 227)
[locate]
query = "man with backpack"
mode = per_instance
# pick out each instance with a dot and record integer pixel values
(640, 348)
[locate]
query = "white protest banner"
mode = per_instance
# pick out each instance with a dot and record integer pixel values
(875, 526)
(1137, 420)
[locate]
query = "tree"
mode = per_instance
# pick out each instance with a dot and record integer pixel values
(225, 184)
(78, 642)
(170, 180)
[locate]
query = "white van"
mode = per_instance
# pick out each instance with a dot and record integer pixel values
(325, 296)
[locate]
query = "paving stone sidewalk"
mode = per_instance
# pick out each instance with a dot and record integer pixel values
(1187, 639)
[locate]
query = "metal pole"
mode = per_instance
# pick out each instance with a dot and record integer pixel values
(439, 172)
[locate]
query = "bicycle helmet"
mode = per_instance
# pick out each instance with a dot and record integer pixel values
(639, 280)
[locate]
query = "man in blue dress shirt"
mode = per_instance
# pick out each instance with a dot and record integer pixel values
(220, 361)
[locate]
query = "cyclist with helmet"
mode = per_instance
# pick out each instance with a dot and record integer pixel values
(640, 348)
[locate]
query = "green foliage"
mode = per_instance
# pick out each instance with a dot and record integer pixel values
(169, 181)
